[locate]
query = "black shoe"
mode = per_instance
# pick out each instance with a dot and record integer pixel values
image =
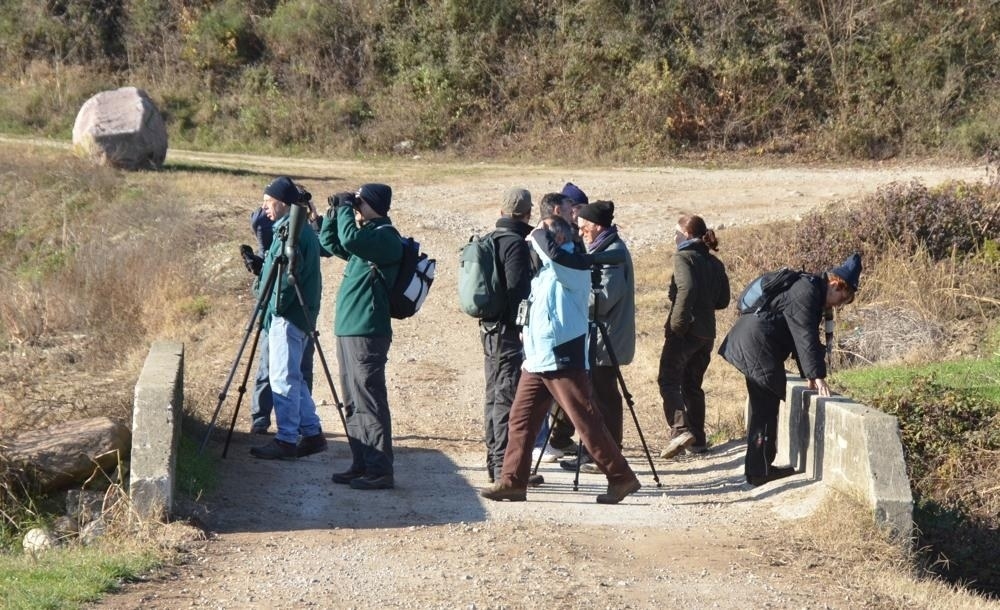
(373, 482)
(774, 473)
(345, 478)
(618, 491)
(535, 480)
(309, 445)
(259, 429)
(571, 464)
(275, 450)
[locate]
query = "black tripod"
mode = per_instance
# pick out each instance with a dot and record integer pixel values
(600, 326)
(279, 267)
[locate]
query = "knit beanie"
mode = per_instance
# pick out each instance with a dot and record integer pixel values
(599, 212)
(378, 196)
(850, 271)
(283, 189)
(573, 192)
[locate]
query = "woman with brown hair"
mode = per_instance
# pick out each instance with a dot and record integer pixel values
(699, 286)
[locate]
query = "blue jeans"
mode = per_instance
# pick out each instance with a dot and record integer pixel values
(294, 408)
(262, 402)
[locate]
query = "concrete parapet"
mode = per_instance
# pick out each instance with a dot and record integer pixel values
(156, 425)
(850, 447)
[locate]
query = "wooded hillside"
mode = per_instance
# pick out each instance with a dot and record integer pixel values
(596, 79)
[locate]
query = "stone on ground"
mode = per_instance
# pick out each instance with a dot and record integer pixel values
(122, 128)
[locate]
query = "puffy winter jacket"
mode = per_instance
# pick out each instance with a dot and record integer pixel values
(760, 343)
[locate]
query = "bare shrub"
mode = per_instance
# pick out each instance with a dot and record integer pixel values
(882, 334)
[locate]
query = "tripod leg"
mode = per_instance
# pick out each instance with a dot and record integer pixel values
(329, 380)
(544, 445)
(265, 295)
(628, 399)
(242, 391)
(322, 358)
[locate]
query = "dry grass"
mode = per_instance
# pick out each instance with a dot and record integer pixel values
(874, 572)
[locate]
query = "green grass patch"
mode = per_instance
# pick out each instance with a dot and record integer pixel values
(196, 473)
(978, 377)
(67, 578)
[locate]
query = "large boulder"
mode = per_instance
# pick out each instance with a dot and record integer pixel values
(122, 128)
(68, 454)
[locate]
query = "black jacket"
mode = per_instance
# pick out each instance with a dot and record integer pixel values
(758, 344)
(698, 287)
(514, 258)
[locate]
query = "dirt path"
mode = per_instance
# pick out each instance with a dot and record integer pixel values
(282, 535)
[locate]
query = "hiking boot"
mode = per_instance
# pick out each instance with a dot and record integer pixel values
(309, 445)
(500, 492)
(345, 478)
(259, 429)
(618, 491)
(534, 480)
(696, 449)
(275, 450)
(368, 481)
(773, 474)
(677, 444)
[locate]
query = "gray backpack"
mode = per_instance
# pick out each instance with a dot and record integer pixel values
(482, 290)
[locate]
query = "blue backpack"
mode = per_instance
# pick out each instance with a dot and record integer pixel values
(759, 293)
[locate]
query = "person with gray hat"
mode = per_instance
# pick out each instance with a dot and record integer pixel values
(760, 342)
(503, 351)
(357, 229)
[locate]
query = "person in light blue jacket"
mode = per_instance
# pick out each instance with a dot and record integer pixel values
(555, 367)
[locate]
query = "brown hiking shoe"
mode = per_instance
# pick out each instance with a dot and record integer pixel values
(501, 492)
(618, 491)
(677, 444)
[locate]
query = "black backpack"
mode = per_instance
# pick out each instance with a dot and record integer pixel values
(413, 282)
(759, 293)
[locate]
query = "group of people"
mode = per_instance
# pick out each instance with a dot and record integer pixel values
(556, 349)
(288, 288)
(563, 359)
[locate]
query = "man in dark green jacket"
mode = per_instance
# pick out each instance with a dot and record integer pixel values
(288, 322)
(357, 230)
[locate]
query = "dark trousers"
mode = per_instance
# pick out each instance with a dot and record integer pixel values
(683, 363)
(762, 424)
(502, 359)
(262, 401)
(608, 399)
(562, 429)
(366, 403)
(571, 389)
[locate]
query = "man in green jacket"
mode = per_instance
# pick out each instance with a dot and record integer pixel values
(288, 322)
(357, 230)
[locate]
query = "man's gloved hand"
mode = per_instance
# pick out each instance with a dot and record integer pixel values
(252, 262)
(335, 201)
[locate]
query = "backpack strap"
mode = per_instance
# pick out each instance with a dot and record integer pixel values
(376, 272)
